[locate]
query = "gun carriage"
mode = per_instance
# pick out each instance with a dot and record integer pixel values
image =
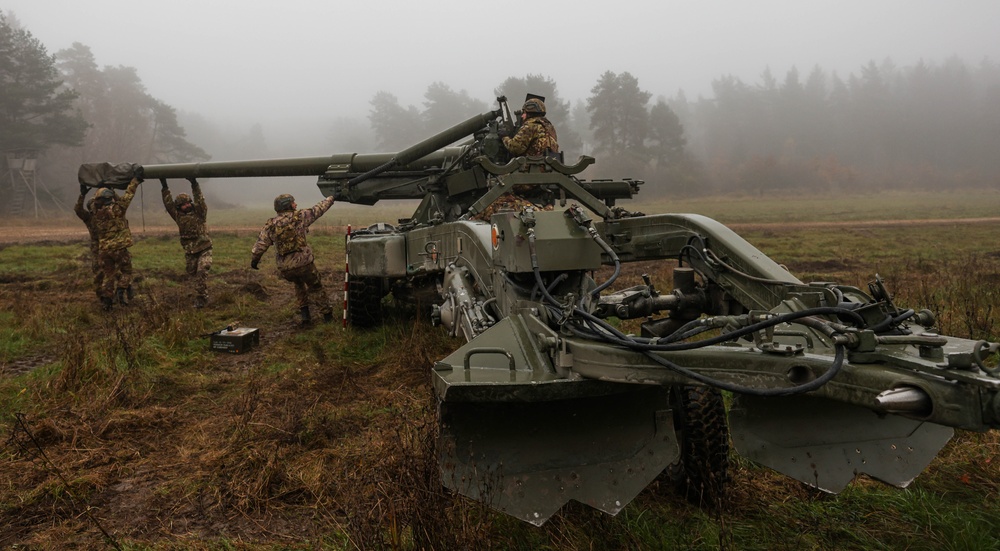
(550, 401)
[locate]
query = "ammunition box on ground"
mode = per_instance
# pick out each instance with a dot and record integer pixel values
(235, 341)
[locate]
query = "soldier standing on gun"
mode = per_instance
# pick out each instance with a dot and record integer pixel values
(113, 240)
(87, 215)
(190, 216)
(287, 232)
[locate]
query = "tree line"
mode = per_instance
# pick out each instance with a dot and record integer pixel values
(66, 107)
(887, 127)
(616, 124)
(923, 126)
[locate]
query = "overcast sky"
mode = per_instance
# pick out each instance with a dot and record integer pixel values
(228, 59)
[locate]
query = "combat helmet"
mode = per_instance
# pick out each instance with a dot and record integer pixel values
(104, 196)
(283, 202)
(533, 106)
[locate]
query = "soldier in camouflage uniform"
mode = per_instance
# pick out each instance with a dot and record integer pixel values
(287, 232)
(535, 138)
(87, 215)
(190, 215)
(113, 240)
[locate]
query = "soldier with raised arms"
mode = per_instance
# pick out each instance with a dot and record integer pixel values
(296, 263)
(113, 241)
(190, 213)
(86, 214)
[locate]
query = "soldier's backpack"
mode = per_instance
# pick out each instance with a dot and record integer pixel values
(289, 236)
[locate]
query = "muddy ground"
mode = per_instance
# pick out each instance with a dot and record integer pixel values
(223, 459)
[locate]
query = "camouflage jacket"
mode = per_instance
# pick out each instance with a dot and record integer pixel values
(110, 222)
(88, 220)
(536, 138)
(194, 234)
(287, 232)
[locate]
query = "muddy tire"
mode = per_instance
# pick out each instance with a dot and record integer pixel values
(364, 301)
(702, 473)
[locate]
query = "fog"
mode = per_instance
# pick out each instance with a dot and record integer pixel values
(296, 67)
(256, 61)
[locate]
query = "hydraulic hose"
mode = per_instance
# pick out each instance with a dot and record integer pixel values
(891, 321)
(538, 274)
(649, 352)
(614, 335)
(614, 258)
(601, 330)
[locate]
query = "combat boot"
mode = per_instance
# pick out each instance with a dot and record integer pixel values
(328, 317)
(304, 315)
(122, 298)
(200, 302)
(107, 303)
(130, 292)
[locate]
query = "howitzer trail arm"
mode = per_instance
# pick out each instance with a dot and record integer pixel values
(829, 382)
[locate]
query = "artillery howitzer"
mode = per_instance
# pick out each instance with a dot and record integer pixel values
(549, 401)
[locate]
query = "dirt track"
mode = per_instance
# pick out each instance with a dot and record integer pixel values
(34, 234)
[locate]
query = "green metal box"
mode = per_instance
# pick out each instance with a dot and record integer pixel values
(377, 255)
(560, 243)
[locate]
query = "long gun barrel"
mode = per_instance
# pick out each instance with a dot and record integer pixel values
(105, 174)
(429, 145)
(301, 166)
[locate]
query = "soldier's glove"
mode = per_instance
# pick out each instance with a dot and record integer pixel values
(138, 172)
(163, 184)
(84, 189)
(254, 262)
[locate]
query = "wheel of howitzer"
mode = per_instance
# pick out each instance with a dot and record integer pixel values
(702, 472)
(364, 301)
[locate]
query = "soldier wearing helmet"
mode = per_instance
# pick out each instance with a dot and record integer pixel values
(296, 263)
(191, 216)
(86, 214)
(113, 241)
(537, 136)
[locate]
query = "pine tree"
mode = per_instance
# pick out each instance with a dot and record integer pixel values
(36, 110)
(395, 127)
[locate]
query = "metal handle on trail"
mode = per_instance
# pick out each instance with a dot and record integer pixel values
(488, 350)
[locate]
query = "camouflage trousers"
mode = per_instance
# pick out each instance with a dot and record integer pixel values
(197, 266)
(308, 286)
(95, 267)
(116, 271)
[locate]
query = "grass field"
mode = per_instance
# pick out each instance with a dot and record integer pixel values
(126, 425)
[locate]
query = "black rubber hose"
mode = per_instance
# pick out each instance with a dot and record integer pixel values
(830, 373)
(636, 342)
(614, 257)
(890, 321)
